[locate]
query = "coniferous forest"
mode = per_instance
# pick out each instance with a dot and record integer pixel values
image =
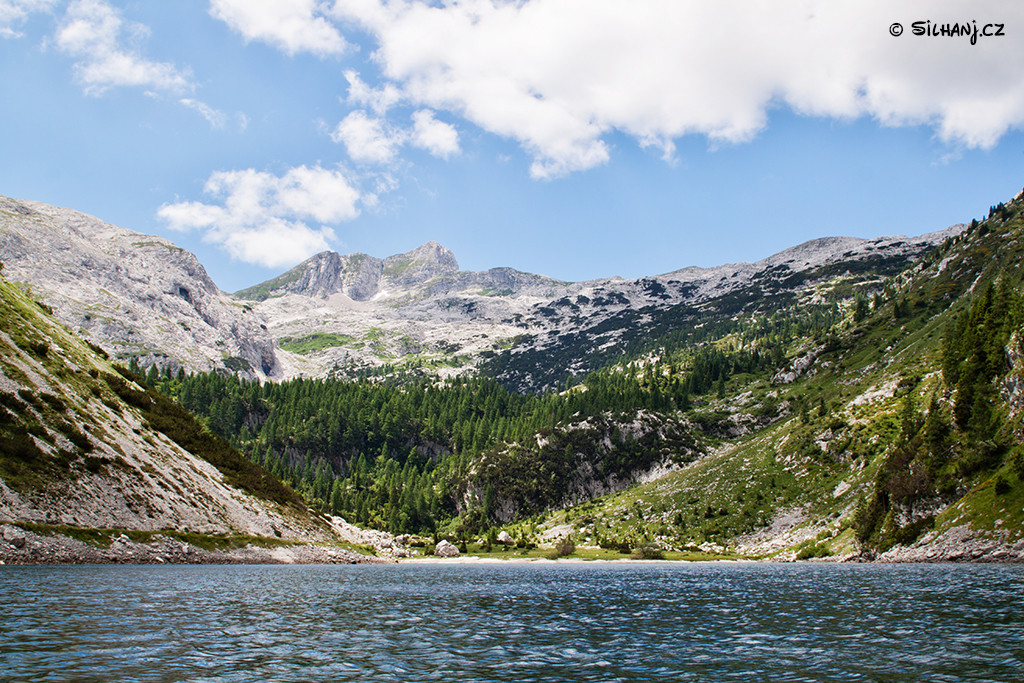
(413, 453)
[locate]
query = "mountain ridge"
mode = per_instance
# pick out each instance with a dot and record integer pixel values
(143, 297)
(138, 295)
(858, 399)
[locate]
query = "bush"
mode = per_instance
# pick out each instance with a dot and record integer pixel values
(810, 549)
(648, 551)
(565, 547)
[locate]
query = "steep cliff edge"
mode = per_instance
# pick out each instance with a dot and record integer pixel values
(135, 295)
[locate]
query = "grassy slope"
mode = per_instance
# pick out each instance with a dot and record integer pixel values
(811, 471)
(56, 394)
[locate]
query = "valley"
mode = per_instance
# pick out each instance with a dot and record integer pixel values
(846, 399)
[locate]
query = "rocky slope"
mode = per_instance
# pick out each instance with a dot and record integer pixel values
(84, 447)
(141, 296)
(135, 295)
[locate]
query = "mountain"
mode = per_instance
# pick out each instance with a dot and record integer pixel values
(138, 296)
(846, 398)
(142, 297)
(417, 310)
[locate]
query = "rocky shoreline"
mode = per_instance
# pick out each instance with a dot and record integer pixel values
(23, 547)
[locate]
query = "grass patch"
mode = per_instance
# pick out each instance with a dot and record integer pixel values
(317, 341)
(266, 289)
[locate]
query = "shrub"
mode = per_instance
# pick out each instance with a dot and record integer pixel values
(565, 547)
(810, 549)
(648, 551)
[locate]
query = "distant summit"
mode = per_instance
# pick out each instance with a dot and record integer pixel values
(423, 263)
(358, 276)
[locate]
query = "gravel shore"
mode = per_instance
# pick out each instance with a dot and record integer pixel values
(19, 546)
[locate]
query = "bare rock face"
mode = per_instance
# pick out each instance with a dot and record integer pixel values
(141, 296)
(134, 295)
(420, 265)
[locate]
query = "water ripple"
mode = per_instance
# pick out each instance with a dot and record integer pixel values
(514, 622)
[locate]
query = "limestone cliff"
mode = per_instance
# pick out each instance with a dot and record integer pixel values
(135, 295)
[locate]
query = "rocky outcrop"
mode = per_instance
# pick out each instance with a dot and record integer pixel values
(137, 296)
(960, 543)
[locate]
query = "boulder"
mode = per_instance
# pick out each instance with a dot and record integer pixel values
(14, 536)
(446, 549)
(504, 538)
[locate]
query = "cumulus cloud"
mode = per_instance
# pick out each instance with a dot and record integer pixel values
(367, 138)
(371, 139)
(91, 31)
(559, 75)
(14, 13)
(437, 137)
(291, 25)
(260, 217)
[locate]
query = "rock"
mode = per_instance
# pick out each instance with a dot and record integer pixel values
(122, 289)
(14, 536)
(446, 549)
(504, 538)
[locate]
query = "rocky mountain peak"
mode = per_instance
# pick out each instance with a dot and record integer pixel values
(423, 263)
(358, 276)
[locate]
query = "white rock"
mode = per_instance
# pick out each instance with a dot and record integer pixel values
(446, 549)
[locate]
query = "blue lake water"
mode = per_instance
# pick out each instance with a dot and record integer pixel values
(513, 622)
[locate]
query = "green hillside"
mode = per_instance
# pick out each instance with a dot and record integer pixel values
(868, 412)
(85, 444)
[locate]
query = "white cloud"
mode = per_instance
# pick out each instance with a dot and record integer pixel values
(291, 25)
(368, 139)
(91, 32)
(559, 75)
(215, 117)
(15, 12)
(259, 218)
(379, 100)
(437, 137)
(371, 139)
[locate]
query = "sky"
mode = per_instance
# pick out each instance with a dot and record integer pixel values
(574, 138)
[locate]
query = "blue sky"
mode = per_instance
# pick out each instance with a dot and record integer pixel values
(574, 138)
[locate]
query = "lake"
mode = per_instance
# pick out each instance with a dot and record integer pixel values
(513, 622)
